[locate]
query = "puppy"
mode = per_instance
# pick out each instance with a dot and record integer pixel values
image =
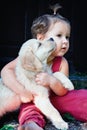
(32, 59)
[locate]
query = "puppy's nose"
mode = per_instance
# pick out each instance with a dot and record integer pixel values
(51, 39)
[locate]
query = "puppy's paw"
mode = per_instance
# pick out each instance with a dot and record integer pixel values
(64, 80)
(61, 125)
(68, 84)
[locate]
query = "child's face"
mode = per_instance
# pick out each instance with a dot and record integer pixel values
(60, 32)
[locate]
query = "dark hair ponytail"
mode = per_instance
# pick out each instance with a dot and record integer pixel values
(55, 8)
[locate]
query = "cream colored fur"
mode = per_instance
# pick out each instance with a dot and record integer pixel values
(32, 59)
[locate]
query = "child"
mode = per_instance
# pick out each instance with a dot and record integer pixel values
(74, 102)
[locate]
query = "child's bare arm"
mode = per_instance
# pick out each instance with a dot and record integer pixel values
(58, 82)
(9, 79)
(51, 82)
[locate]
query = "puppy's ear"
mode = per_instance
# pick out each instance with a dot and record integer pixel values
(31, 62)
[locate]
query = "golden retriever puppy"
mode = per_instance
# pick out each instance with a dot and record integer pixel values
(32, 59)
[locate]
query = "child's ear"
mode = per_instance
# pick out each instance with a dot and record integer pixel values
(40, 36)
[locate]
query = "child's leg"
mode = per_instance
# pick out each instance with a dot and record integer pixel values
(31, 117)
(75, 103)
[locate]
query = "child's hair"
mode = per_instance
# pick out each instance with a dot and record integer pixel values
(42, 24)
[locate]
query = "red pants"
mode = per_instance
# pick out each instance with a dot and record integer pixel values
(75, 103)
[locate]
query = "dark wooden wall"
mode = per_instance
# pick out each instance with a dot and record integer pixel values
(16, 17)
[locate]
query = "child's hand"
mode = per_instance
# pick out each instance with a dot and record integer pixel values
(43, 79)
(26, 96)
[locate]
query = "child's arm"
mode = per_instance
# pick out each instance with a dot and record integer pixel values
(55, 82)
(9, 79)
(51, 82)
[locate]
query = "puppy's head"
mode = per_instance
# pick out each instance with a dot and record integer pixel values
(34, 53)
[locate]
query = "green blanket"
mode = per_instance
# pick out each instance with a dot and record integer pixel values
(9, 127)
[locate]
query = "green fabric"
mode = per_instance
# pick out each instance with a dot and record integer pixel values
(7, 127)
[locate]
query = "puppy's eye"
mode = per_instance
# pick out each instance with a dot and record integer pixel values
(39, 44)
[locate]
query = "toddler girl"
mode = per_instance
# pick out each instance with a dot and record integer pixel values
(74, 102)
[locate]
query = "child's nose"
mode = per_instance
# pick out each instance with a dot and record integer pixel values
(65, 41)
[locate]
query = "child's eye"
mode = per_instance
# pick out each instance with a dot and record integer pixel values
(67, 37)
(59, 35)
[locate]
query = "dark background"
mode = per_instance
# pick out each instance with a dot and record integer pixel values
(16, 17)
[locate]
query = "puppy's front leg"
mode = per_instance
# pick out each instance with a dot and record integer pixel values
(50, 112)
(64, 80)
